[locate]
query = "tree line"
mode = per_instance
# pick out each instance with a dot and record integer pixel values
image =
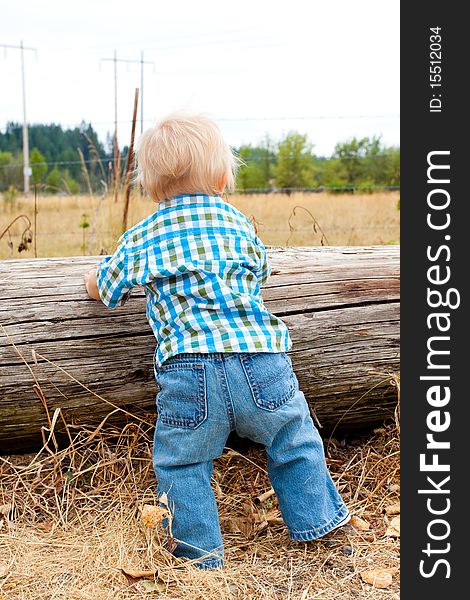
(57, 158)
(363, 164)
(75, 161)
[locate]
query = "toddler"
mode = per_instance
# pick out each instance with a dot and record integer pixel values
(221, 363)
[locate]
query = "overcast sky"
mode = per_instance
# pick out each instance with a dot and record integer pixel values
(329, 69)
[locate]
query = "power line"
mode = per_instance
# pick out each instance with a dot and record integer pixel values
(142, 63)
(117, 60)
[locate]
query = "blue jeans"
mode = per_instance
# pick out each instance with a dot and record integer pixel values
(202, 398)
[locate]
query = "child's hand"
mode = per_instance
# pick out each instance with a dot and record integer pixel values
(91, 285)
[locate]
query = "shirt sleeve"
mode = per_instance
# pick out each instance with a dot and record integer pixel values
(114, 286)
(264, 271)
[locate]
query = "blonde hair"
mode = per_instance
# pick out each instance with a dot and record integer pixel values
(183, 154)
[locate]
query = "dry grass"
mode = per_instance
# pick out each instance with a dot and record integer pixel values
(71, 522)
(366, 219)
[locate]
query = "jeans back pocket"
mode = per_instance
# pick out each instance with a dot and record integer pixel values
(271, 378)
(181, 401)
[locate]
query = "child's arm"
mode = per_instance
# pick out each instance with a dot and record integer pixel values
(264, 271)
(110, 282)
(91, 285)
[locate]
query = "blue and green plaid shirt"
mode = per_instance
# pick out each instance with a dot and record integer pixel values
(201, 265)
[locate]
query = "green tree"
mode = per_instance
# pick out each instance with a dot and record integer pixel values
(38, 166)
(61, 181)
(295, 163)
(256, 172)
(11, 171)
(351, 155)
(392, 167)
(251, 174)
(331, 174)
(6, 159)
(265, 156)
(367, 163)
(53, 180)
(69, 184)
(59, 146)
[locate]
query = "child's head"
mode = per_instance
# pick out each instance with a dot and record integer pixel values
(185, 154)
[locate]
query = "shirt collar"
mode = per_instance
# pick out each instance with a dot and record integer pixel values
(184, 199)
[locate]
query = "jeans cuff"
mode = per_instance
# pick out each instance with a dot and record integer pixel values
(341, 518)
(213, 563)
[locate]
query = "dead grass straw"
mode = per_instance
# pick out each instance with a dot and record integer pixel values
(70, 524)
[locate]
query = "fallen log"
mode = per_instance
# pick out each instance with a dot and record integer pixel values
(341, 305)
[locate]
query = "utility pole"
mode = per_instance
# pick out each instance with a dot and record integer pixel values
(142, 91)
(26, 168)
(117, 60)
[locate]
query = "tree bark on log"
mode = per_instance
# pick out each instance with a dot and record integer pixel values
(341, 305)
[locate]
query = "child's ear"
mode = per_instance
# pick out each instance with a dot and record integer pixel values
(222, 184)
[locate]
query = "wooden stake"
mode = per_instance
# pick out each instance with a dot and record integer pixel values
(35, 220)
(117, 161)
(130, 163)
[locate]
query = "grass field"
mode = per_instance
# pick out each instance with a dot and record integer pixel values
(301, 219)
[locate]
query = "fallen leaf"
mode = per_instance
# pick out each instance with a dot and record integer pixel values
(393, 530)
(138, 580)
(245, 525)
(359, 523)
(272, 517)
(218, 490)
(169, 514)
(3, 570)
(380, 430)
(5, 509)
(130, 580)
(136, 574)
(151, 586)
(47, 526)
(393, 509)
(378, 578)
(261, 526)
(152, 516)
(275, 521)
(248, 508)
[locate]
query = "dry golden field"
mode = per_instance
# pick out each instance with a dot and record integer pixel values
(301, 219)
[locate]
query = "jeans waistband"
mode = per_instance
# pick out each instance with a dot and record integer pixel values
(206, 356)
(203, 355)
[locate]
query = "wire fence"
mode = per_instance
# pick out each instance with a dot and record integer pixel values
(123, 158)
(261, 227)
(360, 188)
(318, 190)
